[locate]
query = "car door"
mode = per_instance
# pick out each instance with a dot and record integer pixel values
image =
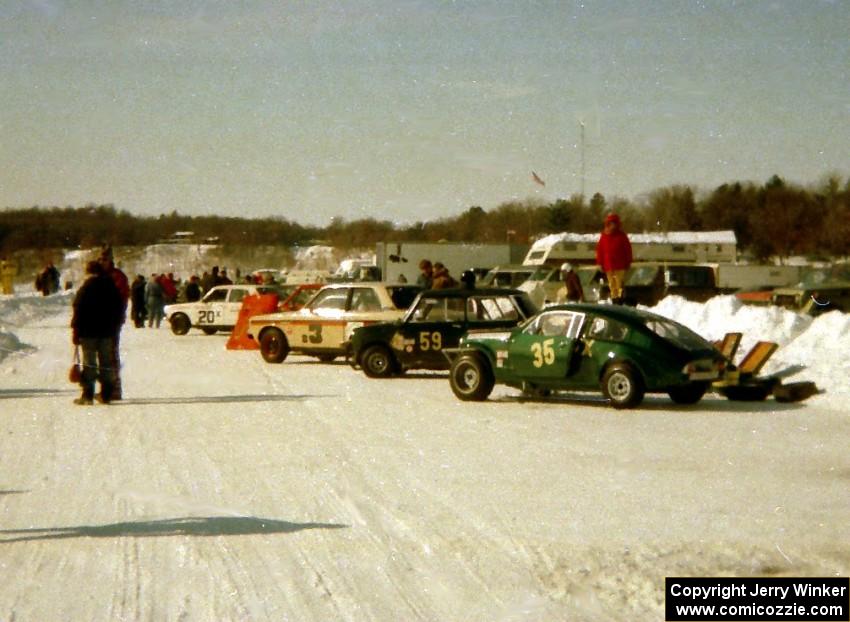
(435, 323)
(230, 309)
(210, 309)
(548, 347)
(321, 323)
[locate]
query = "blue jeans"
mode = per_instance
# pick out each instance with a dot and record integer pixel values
(98, 364)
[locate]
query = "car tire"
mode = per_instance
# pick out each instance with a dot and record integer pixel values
(209, 331)
(689, 393)
(180, 324)
(377, 362)
(622, 386)
(471, 378)
(273, 345)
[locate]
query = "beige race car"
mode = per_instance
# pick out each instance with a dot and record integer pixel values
(324, 325)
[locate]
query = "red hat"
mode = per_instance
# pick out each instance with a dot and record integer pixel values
(612, 218)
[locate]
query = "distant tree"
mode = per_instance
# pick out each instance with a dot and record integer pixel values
(673, 209)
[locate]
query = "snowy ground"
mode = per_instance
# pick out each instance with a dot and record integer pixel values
(225, 488)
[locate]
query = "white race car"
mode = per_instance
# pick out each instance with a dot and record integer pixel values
(217, 310)
(324, 325)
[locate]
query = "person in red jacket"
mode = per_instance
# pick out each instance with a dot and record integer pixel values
(614, 256)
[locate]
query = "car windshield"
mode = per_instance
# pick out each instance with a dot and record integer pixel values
(642, 275)
(216, 295)
(541, 274)
(331, 298)
(672, 331)
(589, 276)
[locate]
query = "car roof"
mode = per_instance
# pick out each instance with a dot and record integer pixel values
(465, 292)
(341, 284)
(513, 268)
(617, 312)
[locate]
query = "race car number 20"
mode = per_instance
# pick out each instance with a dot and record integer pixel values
(206, 316)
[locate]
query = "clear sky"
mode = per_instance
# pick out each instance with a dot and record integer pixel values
(411, 110)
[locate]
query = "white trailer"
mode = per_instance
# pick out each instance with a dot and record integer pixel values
(690, 246)
(733, 277)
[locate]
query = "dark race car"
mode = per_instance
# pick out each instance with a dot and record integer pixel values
(618, 350)
(437, 319)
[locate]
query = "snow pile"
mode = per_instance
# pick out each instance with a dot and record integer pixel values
(315, 258)
(27, 309)
(819, 343)
(10, 344)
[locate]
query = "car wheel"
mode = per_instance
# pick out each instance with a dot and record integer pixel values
(327, 358)
(180, 324)
(209, 331)
(377, 362)
(688, 393)
(471, 378)
(273, 345)
(622, 386)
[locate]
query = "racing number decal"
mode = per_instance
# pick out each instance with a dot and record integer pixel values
(314, 334)
(206, 316)
(430, 341)
(543, 353)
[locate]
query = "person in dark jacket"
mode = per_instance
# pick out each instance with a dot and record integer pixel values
(426, 276)
(137, 297)
(122, 283)
(98, 315)
(572, 291)
(442, 278)
(193, 289)
(154, 301)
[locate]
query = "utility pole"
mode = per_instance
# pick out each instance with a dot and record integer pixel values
(581, 123)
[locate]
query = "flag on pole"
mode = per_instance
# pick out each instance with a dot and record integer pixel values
(537, 179)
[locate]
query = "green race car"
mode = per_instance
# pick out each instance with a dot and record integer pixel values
(436, 320)
(622, 351)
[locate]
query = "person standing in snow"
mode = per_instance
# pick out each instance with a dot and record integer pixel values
(572, 290)
(97, 318)
(123, 286)
(137, 297)
(614, 256)
(154, 301)
(192, 292)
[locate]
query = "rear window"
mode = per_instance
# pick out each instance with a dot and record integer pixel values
(403, 296)
(678, 334)
(491, 309)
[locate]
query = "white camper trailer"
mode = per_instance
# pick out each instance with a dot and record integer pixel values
(689, 246)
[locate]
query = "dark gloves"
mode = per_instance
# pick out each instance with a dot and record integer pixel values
(75, 338)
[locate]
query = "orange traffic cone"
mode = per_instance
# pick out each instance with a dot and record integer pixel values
(251, 306)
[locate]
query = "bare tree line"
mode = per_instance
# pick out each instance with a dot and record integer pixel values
(774, 219)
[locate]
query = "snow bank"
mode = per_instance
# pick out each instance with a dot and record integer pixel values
(820, 344)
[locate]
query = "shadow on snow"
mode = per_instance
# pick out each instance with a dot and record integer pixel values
(15, 394)
(199, 526)
(214, 399)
